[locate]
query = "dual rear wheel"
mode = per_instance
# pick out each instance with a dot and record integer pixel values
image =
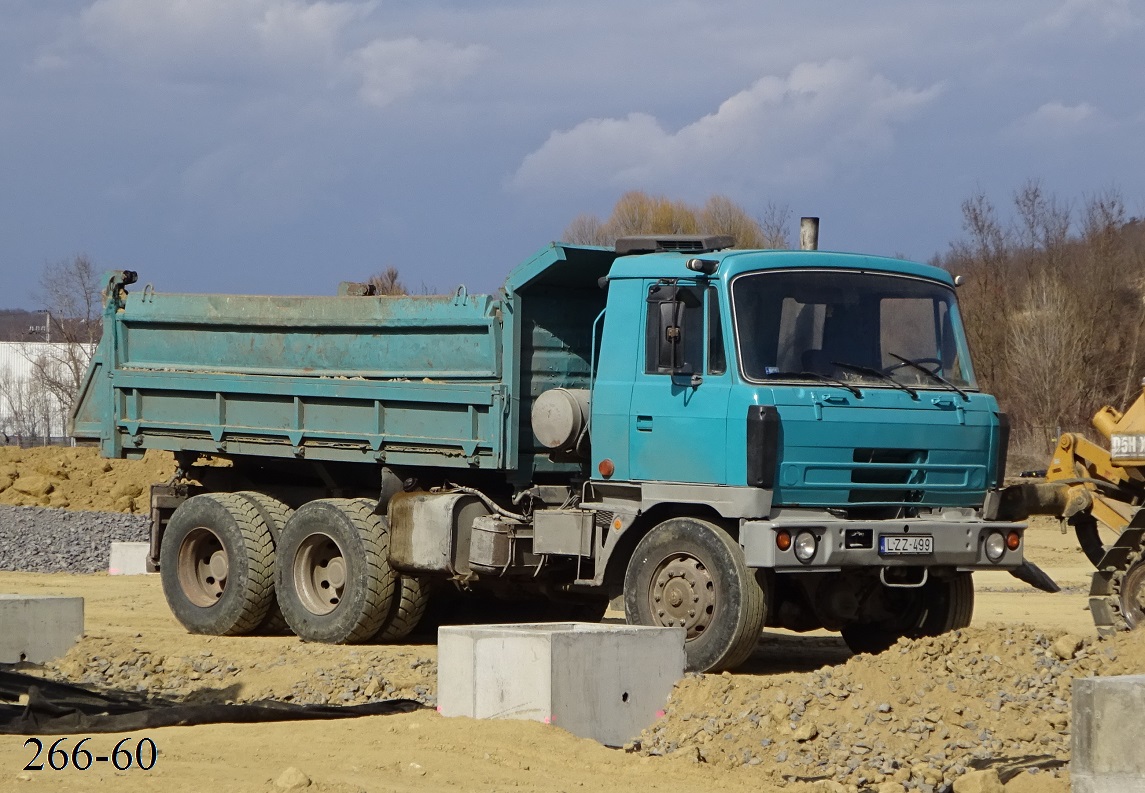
(235, 563)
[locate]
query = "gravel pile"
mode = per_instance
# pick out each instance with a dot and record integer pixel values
(40, 540)
(972, 699)
(363, 675)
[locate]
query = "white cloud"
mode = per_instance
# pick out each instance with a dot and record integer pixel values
(324, 44)
(390, 70)
(1057, 120)
(1113, 16)
(778, 131)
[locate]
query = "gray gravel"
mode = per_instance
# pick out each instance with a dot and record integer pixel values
(42, 540)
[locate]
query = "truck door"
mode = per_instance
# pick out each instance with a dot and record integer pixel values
(679, 408)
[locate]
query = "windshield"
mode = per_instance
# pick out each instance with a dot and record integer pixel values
(858, 327)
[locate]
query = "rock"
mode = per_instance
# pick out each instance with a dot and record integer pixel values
(292, 779)
(890, 787)
(32, 485)
(1066, 647)
(979, 782)
(805, 732)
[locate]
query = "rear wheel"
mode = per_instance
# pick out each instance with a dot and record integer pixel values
(691, 573)
(216, 563)
(939, 606)
(274, 514)
(334, 580)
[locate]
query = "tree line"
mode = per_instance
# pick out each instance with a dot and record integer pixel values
(1053, 299)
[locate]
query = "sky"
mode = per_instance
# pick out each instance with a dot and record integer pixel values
(281, 146)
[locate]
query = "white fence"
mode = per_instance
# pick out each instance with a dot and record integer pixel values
(29, 412)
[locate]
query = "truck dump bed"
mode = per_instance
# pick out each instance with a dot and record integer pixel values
(411, 380)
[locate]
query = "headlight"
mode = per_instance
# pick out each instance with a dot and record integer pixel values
(995, 546)
(805, 546)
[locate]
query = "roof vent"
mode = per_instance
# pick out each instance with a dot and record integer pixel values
(681, 243)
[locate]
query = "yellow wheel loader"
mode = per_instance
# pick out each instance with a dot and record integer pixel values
(1100, 493)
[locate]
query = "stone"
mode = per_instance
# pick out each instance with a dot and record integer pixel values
(986, 781)
(292, 779)
(805, 732)
(33, 485)
(1066, 646)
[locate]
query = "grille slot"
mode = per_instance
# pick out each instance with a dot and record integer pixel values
(887, 467)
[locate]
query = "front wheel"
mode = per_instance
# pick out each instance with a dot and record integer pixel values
(939, 606)
(691, 573)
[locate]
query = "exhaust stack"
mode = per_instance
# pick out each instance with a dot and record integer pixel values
(809, 234)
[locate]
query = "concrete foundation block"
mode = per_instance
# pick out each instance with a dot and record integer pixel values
(605, 682)
(38, 628)
(128, 558)
(1108, 722)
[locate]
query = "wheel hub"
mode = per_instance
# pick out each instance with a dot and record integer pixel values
(203, 567)
(1133, 595)
(319, 574)
(683, 595)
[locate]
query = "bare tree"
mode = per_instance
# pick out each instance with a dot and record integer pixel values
(26, 409)
(637, 212)
(388, 282)
(70, 292)
(721, 215)
(775, 224)
(585, 229)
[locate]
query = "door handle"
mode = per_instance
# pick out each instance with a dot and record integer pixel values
(835, 399)
(644, 423)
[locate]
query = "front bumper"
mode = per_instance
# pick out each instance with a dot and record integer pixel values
(958, 544)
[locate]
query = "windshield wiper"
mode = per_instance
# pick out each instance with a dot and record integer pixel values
(867, 370)
(932, 375)
(820, 377)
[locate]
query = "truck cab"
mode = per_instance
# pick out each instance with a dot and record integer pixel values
(821, 409)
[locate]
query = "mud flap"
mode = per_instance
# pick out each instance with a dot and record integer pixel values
(1035, 576)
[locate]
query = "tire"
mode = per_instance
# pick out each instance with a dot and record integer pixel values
(411, 596)
(938, 607)
(334, 580)
(687, 559)
(216, 563)
(274, 514)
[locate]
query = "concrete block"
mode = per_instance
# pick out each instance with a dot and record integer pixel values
(1108, 722)
(38, 628)
(605, 682)
(128, 558)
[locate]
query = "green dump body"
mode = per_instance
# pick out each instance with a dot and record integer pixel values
(442, 381)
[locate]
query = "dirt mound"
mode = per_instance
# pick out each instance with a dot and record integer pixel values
(293, 672)
(918, 716)
(78, 478)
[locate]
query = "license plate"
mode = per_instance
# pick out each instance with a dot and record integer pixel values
(905, 544)
(1127, 447)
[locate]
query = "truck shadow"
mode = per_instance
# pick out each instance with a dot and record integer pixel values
(778, 653)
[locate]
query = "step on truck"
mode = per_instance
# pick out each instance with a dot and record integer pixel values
(728, 439)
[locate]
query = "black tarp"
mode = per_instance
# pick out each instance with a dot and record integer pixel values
(63, 709)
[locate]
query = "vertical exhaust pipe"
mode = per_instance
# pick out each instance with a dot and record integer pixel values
(808, 234)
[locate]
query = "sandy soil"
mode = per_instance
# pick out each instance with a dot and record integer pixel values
(423, 751)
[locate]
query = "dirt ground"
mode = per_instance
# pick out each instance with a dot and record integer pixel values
(126, 617)
(133, 643)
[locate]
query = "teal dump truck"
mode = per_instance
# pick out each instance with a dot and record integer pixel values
(729, 439)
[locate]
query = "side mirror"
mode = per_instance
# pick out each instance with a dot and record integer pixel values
(674, 319)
